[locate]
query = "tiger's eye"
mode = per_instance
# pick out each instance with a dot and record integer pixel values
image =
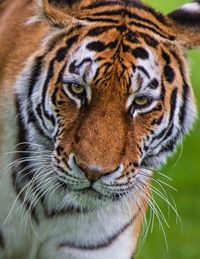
(77, 89)
(141, 100)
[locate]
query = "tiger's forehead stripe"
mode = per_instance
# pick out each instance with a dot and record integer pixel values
(137, 15)
(69, 39)
(135, 4)
(135, 20)
(51, 46)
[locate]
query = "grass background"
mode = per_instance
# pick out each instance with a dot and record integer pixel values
(184, 169)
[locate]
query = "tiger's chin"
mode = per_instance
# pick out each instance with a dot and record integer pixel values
(95, 198)
(88, 200)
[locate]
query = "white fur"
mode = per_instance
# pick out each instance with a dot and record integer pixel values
(191, 7)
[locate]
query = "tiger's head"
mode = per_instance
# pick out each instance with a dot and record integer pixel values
(108, 94)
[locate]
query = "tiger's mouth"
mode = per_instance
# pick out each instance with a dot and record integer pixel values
(100, 193)
(89, 192)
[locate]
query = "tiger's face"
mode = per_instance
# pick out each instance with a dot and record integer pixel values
(112, 101)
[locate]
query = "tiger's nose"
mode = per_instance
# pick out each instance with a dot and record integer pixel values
(94, 174)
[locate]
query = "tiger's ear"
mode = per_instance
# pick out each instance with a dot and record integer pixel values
(61, 13)
(186, 24)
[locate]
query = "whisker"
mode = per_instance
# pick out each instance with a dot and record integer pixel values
(157, 172)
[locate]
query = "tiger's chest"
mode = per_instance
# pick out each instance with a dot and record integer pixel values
(72, 236)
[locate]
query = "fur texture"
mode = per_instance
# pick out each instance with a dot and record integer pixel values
(94, 95)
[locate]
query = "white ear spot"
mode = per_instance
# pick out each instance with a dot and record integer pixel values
(191, 7)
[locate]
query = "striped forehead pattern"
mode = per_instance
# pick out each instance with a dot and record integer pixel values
(120, 40)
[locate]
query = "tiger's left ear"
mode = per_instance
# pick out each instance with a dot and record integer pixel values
(185, 24)
(60, 13)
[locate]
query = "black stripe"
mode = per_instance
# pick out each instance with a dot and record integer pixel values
(99, 30)
(32, 119)
(125, 48)
(54, 41)
(173, 101)
(140, 25)
(159, 16)
(101, 4)
(40, 115)
(59, 57)
(159, 136)
(36, 71)
(53, 97)
(170, 146)
(106, 20)
(180, 63)
(122, 28)
(186, 91)
(2, 240)
(62, 3)
(104, 65)
(140, 52)
(101, 245)
(168, 130)
(170, 126)
(148, 39)
(62, 52)
(132, 37)
(109, 13)
(124, 12)
(38, 62)
(100, 79)
(143, 70)
(169, 73)
(99, 46)
(183, 108)
(26, 175)
(166, 57)
(136, 4)
(49, 76)
(74, 67)
(154, 84)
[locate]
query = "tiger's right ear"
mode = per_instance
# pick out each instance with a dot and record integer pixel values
(61, 13)
(185, 24)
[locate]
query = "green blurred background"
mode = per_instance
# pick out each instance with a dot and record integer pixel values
(184, 168)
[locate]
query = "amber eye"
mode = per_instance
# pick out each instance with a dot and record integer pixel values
(142, 101)
(76, 89)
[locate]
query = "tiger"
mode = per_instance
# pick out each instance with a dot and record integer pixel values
(94, 96)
